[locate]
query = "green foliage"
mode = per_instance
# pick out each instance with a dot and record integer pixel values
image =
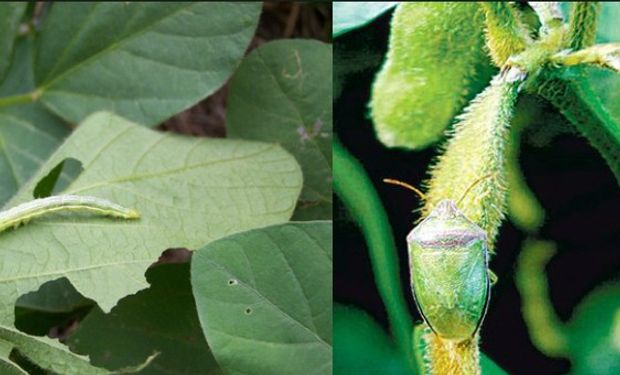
(362, 347)
(28, 132)
(10, 15)
(146, 62)
(139, 170)
(258, 321)
(356, 192)
(161, 319)
(143, 61)
(590, 338)
(593, 332)
(133, 165)
(575, 99)
(281, 93)
(435, 63)
(352, 15)
(481, 155)
(54, 304)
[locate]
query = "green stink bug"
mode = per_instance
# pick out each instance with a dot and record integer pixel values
(448, 261)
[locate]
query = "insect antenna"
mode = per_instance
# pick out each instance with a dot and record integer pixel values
(406, 186)
(472, 186)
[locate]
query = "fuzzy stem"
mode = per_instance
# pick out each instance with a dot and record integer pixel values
(582, 24)
(438, 356)
(574, 98)
(601, 55)
(506, 34)
(358, 195)
(546, 330)
(477, 149)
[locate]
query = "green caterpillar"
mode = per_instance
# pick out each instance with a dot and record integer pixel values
(435, 63)
(23, 213)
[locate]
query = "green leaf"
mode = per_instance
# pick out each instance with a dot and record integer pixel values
(48, 354)
(54, 304)
(593, 333)
(188, 191)
(9, 368)
(282, 92)
(352, 15)
(10, 15)
(264, 299)
(161, 319)
(605, 83)
(28, 132)
(144, 61)
(362, 202)
(362, 347)
(573, 97)
(436, 62)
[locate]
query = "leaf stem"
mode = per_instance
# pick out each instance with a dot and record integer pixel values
(358, 195)
(20, 99)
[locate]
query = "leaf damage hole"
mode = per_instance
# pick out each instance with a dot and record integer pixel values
(248, 311)
(232, 282)
(58, 178)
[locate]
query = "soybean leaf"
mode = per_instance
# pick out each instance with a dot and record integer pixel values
(28, 132)
(264, 299)
(161, 319)
(188, 192)
(283, 92)
(54, 304)
(46, 353)
(362, 347)
(143, 60)
(11, 13)
(351, 15)
(606, 84)
(593, 333)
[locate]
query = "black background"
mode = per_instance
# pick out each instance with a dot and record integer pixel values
(576, 188)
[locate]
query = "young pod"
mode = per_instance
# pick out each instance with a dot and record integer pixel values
(448, 259)
(435, 63)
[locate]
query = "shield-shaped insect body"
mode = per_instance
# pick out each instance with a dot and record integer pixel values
(448, 259)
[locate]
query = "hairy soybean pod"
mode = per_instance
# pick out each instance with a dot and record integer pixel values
(448, 259)
(22, 213)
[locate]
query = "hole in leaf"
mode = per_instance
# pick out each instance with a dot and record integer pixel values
(232, 282)
(53, 309)
(248, 311)
(58, 178)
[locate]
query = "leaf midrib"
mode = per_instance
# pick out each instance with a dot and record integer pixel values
(113, 46)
